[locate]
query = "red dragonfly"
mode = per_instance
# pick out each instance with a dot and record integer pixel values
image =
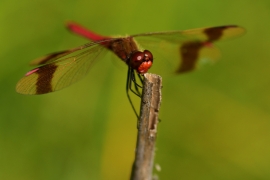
(184, 51)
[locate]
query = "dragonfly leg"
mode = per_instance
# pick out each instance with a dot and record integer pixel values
(129, 88)
(141, 77)
(136, 85)
(132, 81)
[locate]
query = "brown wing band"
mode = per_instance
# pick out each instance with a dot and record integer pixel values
(189, 51)
(216, 33)
(44, 80)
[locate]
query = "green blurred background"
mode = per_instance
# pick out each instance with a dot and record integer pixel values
(215, 122)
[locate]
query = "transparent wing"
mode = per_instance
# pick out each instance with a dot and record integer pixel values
(60, 70)
(184, 51)
(52, 57)
(58, 55)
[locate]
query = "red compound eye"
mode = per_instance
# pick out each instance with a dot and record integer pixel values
(136, 59)
(148, 55)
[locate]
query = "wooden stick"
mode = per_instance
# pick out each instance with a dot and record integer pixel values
(147, 128)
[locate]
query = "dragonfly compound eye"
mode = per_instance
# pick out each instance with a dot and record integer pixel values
(136, 59)
(148, 55)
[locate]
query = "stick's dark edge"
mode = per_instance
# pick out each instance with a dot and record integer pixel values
(147, 129)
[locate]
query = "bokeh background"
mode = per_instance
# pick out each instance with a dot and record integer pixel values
(215, 122)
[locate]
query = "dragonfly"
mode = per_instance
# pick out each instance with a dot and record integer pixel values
(179, 51)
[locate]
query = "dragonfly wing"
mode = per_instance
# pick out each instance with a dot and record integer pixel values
(186, 50)
(51, 57)
(61, 72)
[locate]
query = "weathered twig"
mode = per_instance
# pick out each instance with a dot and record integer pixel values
(147, 128)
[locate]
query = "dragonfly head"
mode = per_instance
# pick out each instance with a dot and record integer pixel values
(141, 61)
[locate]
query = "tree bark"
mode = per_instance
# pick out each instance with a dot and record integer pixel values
(147, 128)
